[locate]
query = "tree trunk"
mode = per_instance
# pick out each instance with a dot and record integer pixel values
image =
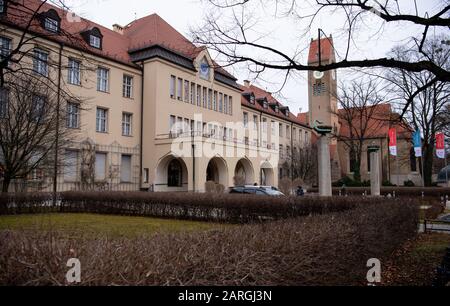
(428, 165)
(5, 185)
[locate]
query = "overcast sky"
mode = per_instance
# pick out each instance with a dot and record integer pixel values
(287, 34)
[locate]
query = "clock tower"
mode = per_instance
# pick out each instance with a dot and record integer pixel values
(322, 86)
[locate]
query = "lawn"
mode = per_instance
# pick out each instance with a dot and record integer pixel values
(100, 224)
(416, 262)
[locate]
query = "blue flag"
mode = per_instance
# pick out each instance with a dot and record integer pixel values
(417, 140)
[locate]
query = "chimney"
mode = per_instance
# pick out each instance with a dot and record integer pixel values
(118, 28)
(247, 83)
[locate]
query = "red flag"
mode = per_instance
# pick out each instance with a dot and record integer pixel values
(393, 141)
(440, 145)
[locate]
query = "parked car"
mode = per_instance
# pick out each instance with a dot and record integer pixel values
(257, 190)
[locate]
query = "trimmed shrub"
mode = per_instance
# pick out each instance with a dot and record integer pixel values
(320, 250)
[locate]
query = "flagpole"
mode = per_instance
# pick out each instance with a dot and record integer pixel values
(423, 171)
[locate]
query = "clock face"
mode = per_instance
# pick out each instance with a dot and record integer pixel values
(318, 75)
(204, 70)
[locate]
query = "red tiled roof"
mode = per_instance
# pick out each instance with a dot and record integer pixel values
(304, 118)
(260, 94)
(380, 119)
(326, 45)
(145, 32)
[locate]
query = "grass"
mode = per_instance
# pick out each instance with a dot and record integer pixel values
(416, 262)
(115, 226)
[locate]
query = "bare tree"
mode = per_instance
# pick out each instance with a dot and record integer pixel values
(33, 96)
(230, 30)
(361, 115)
(304, 164)
(30, 124)
(427, 109)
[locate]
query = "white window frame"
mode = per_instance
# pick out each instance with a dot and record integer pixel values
(40, 62)
(95, 41)
(51, 24)
(101, 125)
(127, 88)
(5, 46)
(74, 72)
(172, 86)
(73, 115)
(102, 79)
(127, 124)
(180, 89)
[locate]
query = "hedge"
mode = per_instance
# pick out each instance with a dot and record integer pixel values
(187, 206)
(326, 250)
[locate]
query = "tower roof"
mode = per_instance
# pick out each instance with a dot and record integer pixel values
(326, 45)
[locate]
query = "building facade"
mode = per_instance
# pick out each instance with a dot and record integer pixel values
(158, 113)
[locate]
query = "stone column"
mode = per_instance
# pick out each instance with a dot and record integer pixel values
(325, 188)
(375, 179)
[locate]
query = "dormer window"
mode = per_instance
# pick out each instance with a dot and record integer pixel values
(95, 41)
(50, 21)
(252, 99)
(205, 69)
(51, 24)
(93, 37)
(277, 109)
(266, 104)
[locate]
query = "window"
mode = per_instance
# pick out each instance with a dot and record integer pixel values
(40, 62)
(127, 86)
(281, 130)
(127, 123)
(245, 120)
(210, 93)
(252, 99)
(192, 93)
(368, 161)
(186, 91)
(102, 79)
(230, 106)
(319, 89)
(71, 166)
(273, 126)
(225, 105)
(264, 125)
(100, 166)
(215, 101)
(294, 134)
(74, 72)
(172, 123)
(2, 6)
(204, 97)
(173, 80)
(125, 169)
(255, 122)
(73, 115)
(102, 120)
(180, 89)
(95, 41)
(38, 110)
(220, 102)
(146, 178)
(4, 99)
(288, 132)
(199, 95)
(51, 24)
(174, 174)
(5, 47)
